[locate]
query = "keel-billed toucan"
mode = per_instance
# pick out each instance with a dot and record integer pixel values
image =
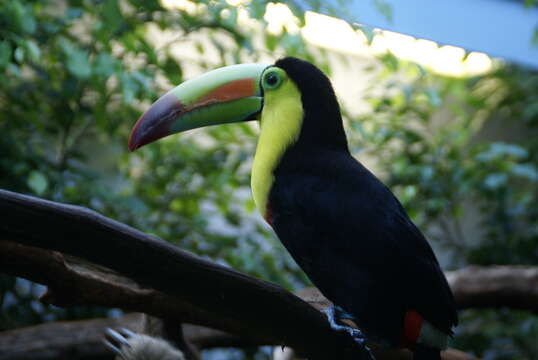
(344, 227)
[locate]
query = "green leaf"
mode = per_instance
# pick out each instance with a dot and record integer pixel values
(32, 50)
(257, 9)
(368, 32)
(37, 182)
(495, 180)
(174, 72)
(271, 41)
(526, 171)
(104, 64)
(433, 97)
(385, 9)
(390, 61)
(77, 61)
(5, 53)
(112, 16)
(74, 13)
(129, 87)
(231, 17)
(199, 48)
(19, 54)
(22, 16)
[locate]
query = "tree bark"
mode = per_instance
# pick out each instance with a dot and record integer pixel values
(514, 286)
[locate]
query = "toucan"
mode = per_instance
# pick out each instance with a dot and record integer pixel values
(340, 223)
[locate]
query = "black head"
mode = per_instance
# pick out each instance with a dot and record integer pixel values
(322, 123)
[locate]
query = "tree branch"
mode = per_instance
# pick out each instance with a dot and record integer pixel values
(495, 286)
(197, 290)
(72, 281)
(63, 339)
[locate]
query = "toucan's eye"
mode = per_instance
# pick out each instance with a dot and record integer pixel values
(272, 80)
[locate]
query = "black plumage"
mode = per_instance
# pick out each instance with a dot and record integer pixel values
(346, 229)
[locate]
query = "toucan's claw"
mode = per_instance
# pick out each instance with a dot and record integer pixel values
(335, 315)
(341, 314)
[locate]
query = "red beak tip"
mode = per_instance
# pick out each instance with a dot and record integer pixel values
(131, 145)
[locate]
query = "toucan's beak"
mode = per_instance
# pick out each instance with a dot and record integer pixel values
(229, 94)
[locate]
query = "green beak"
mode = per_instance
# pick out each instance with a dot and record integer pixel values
(226, 95)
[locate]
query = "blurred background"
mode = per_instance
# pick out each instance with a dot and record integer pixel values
(452, 132)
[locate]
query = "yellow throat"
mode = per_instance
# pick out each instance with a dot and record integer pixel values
(280, 126)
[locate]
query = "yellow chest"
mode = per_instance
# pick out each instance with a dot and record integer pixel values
(280, 122)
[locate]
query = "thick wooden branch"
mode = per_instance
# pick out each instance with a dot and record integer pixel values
(202, 292)
(72, 281)
(495, 286)
(244, 304)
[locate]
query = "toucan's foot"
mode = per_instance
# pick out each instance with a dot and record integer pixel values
(338, 313)
(335, 315)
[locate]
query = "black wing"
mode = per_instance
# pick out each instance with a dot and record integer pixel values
(358, 246)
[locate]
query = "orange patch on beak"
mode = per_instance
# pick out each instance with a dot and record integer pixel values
(230, 91)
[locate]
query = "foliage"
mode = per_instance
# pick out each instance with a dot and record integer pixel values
(75, 75)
